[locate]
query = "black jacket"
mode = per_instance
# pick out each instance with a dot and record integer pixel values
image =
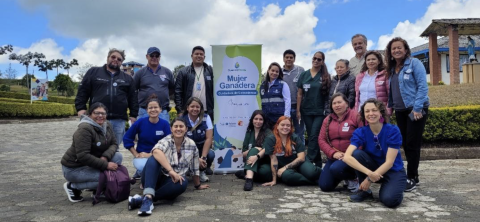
(184, 87)
(116, 92)
(346, 85)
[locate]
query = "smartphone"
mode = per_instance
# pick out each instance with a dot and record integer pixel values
(412, 118)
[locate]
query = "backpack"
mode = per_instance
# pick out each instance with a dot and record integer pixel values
(115, 185)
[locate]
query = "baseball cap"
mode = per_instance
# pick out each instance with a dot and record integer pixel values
(153, 50)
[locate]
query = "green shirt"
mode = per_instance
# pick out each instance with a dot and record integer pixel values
(297, 147)
(249, 141)
(313, 102)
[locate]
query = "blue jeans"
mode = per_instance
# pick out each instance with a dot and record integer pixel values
(158, 185)
(163, 115)
(86, 177)
(393, 182)
(299, 127)
(119, 129)
(139, 164)
(333, 173)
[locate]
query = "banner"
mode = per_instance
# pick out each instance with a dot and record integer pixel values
(39, 89)
(237, 71)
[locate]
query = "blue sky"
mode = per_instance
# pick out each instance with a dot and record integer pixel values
(60, 32)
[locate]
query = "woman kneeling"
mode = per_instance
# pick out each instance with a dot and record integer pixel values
(163, 176)
(380, 160)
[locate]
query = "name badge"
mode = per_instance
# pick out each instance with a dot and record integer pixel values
(306, 86)
(98, 143)
(189, 133)
(159, 133)
(199, 86)
(187, 152)
(345, 128)
(380, 82)
(406, 76)
(209, 78)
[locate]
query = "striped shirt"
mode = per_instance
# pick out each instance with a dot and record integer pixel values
(181, 163)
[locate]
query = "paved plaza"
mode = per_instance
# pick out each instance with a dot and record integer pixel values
(31, 190)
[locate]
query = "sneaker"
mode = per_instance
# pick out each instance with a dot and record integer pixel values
(411, 185)
(417, 181)
(146, 208)
(209, 171)
(345, 184)
(353, 185)
(361, 196)
(74, 195)
(137, 176)
(240, 174)
(203, 177)
(134, 202)
(248, 184)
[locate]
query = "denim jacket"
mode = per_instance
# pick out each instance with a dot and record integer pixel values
(413, 85)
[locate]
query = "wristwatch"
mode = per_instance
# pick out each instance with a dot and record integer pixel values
(258, 156)
(204, 158)
(197, 186)
(368, 178)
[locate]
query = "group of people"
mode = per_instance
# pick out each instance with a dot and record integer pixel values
(346, 117)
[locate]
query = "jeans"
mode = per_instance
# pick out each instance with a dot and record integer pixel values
(158, 185)
(333, 173)
(118, 129)
(299, 127)
(412, 132)
(139, 164)
(393, 182)
(86, 177)
(163, 115)
(313, 124)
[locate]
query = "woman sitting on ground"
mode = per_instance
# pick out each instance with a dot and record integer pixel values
(287, 157)
(254, 155)
(93, 150)
(200, 130)
(164, 174)
(380, 160)
(334, 139)
(149, 130)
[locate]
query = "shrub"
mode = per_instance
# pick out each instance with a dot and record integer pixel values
(441, 83)
(5, 88)
(27, 97)
(172, 114)
(37, 109)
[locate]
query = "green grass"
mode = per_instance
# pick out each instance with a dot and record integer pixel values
(24, 90)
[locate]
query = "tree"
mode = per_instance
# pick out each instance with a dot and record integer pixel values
(44, 65)
(26, 60)
(69, 65)
(176, 70)
(26, 80)
(63, 83)
(10, 73)
(82, 70)
(6, 49)
(58, 63)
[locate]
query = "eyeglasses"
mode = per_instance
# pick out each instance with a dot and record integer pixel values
(318, 59)
(377, 142)
(116, 58)
(99, 114)
(154, 56)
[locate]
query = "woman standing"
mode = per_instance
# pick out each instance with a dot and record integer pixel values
(372, 81)
(164, 174)
(149, 130)
(343, 83)
(93, 150)
(380, 160)
(287, 157)
(257, 165)
(334, 139)
(200, 130)
(409, 98)
(275, 95)
(313, 88)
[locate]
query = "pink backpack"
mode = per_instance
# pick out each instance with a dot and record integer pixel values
(115, 185)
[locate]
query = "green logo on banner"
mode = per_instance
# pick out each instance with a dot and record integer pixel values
(237, 65)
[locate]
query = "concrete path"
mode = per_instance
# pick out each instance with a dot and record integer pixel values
(31, 190)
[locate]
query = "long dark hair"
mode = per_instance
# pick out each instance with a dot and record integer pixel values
(200, 115)
(326, 81)
(380, 106)
(327, 131)
(381, 64)
(263, 130)
(267, 77)
(389, 60)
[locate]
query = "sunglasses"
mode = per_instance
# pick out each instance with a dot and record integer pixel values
(377, 142)
(318, 59)
(116, 58)
(100, 114)
(154, 56)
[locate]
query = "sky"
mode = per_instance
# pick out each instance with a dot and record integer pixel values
(87, 29)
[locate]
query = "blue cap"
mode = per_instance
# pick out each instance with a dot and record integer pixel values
(153, 50)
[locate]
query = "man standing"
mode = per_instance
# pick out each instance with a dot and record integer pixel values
(291, 73)
(195, 80)
(151, 79)
(112, 87)
(359, 43)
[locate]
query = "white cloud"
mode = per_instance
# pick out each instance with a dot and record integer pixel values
(440, 9)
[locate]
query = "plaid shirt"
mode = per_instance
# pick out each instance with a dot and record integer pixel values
(188, 158)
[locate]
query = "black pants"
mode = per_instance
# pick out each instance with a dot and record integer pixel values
(412, 132)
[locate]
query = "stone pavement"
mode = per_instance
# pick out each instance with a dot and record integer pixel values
(31, 190)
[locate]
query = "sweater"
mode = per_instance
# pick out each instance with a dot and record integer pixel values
(148, 134)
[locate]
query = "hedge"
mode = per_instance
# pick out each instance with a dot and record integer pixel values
(461, 123)
(16, 109)
(55, 99)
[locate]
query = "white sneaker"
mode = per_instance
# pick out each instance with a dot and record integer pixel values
(203, 177)
(353, 185)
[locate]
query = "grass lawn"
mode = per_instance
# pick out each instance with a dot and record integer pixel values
(454, 95)
(24, 90)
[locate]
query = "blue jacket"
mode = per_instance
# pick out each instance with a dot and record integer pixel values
(413, 85)
(272, 100)
(199, 135)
